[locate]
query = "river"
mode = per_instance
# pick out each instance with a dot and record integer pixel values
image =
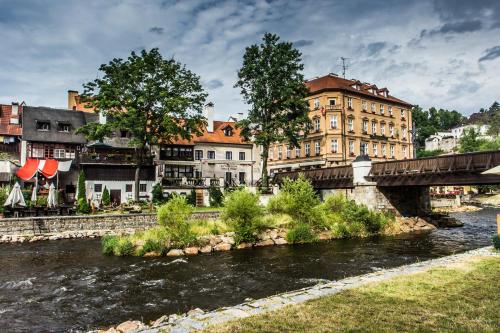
(68, 285)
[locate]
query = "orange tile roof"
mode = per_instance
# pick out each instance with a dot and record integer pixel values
(217, 136)
(6, 128)
(333, 82)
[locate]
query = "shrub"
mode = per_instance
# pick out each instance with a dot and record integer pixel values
(4, 193)
(108, 244)
(151, 245)
(42, 200)
(82, 206)
(174, 216)
(298, 199)
(157, 194)
(123, 247)
(106, 198)
(496, 242)
(300, 233)
(242, 209)
(191, 198)
(82, 192)
(216, 197)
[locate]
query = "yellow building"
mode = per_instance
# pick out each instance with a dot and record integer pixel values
(350, 118)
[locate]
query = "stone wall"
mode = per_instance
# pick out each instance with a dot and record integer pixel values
(446, 202)
(60, 224)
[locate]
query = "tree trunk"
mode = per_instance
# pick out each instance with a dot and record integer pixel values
(265, 176)
(137, 182)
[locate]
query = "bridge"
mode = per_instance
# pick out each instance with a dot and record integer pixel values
(401, 185)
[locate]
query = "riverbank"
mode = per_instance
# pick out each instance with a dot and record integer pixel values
(428, 295)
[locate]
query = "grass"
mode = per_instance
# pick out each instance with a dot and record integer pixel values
(462, 298)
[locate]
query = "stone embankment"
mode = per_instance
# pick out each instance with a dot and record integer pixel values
(198, 319)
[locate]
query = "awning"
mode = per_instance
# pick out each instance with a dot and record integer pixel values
(48, 168)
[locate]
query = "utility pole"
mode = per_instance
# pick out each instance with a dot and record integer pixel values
(344, 66)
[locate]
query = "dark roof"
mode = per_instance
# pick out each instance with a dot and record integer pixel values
(33, 115)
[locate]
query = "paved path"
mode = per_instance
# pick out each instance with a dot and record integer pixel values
(197, 319)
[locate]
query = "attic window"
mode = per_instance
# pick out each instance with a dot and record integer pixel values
(228, 131)
(43, 125)
(63, 127)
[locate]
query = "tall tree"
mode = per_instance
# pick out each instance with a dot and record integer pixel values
(272, 83)
(494, 122)
(157, 100)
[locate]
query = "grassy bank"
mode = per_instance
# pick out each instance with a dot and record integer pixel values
(457, 299)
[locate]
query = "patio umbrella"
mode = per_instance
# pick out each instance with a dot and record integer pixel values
(15, 197)
(492, 171)
(51, 200)
(33, 195)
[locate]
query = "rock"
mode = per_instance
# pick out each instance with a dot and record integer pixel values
(230, 234)
(244, 245)
(191, 251)
(129, 326)
(195, 312)
(222, 247)
(264, 236)
(280, 241)
(266, 242)
(273, 234)
(152, 254)
(228, 239)
(325, 235)
(160, 321)
(175, 253)
(112, 330)
(206, 249)
(214, 240)
(281, 233)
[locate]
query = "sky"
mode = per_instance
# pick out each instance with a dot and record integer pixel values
(443, 53)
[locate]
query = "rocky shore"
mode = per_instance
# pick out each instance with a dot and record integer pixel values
(23, 238)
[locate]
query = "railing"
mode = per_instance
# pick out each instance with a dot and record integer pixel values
(103, 158)
(189, 182)
(333, 177)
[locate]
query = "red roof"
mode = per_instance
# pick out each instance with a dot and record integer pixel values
(333, 82)
(6, 128)
(218, 135)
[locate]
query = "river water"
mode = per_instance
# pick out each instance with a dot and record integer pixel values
(67, 285)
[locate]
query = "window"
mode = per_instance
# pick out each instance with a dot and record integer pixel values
(374, 127)
(198, 154)
(59, 153)
(350, 124)
(335, 145)
(288, 152)
(308, 149)
(390, 110)
(316, 103)
(178, 171)
(333, 101)
(128, 188)
(375, 149)
(365, 126)
(351, 147)
(364, 105)
(405, 152)
(383, 150)
(228, 131)
(373, 107)
(123, 134)
(333, 122)
(63, 127)
(297, 152)
(403, 113)
(143, 188)
(176, 153)
(229, 155)
(98, 188)
(382, 111)
(364, 148)
(271, 152)
(392, 151)
(404, 132)
(43, 126)
(317, 148)
(349, 102)
(211, 154)
(391, 129)
(242, 156)
(241, 177)
(317, 124)
(382, 129)
(280, 152)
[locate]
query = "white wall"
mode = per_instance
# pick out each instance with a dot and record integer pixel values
(118, 185)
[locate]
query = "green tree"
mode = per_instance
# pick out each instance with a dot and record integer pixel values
(494, 122)
(156, 100)
(272, 83)
(470, 141)
(106, 198)
(216, 197)
(157, 194)
(82, 191)
(191, 197)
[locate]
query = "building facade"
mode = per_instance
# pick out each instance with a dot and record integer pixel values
(349, 118)
(11, 130)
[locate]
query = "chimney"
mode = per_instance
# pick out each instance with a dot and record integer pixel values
(208, 113)
(72, 97)
(15, 109)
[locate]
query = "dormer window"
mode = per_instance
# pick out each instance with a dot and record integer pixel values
(228, 131)
(63, 127)
(43, 125)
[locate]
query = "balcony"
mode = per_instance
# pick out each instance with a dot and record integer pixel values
(102, 158)
(333, 108)
(189, 182)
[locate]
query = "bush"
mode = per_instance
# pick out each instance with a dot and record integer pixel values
(108, 244)
(42, 200)
(191, 198)
(298, 199)
(300, 233)
(496, 242)
(157, 194)
(174, 216)
(123, 247)
(106, 198)
(216, 197)
(151, 245)
(242, 209)
(82, 206)
(4, 193)
(82, 191)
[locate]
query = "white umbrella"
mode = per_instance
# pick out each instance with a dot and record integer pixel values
(51, 200)
(33, 195)
(15, 197)
(492, 171)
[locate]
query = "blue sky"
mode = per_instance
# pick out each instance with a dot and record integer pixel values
(432, 53)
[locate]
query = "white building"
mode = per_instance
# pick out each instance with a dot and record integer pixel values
(449, 141)
(458, 132)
